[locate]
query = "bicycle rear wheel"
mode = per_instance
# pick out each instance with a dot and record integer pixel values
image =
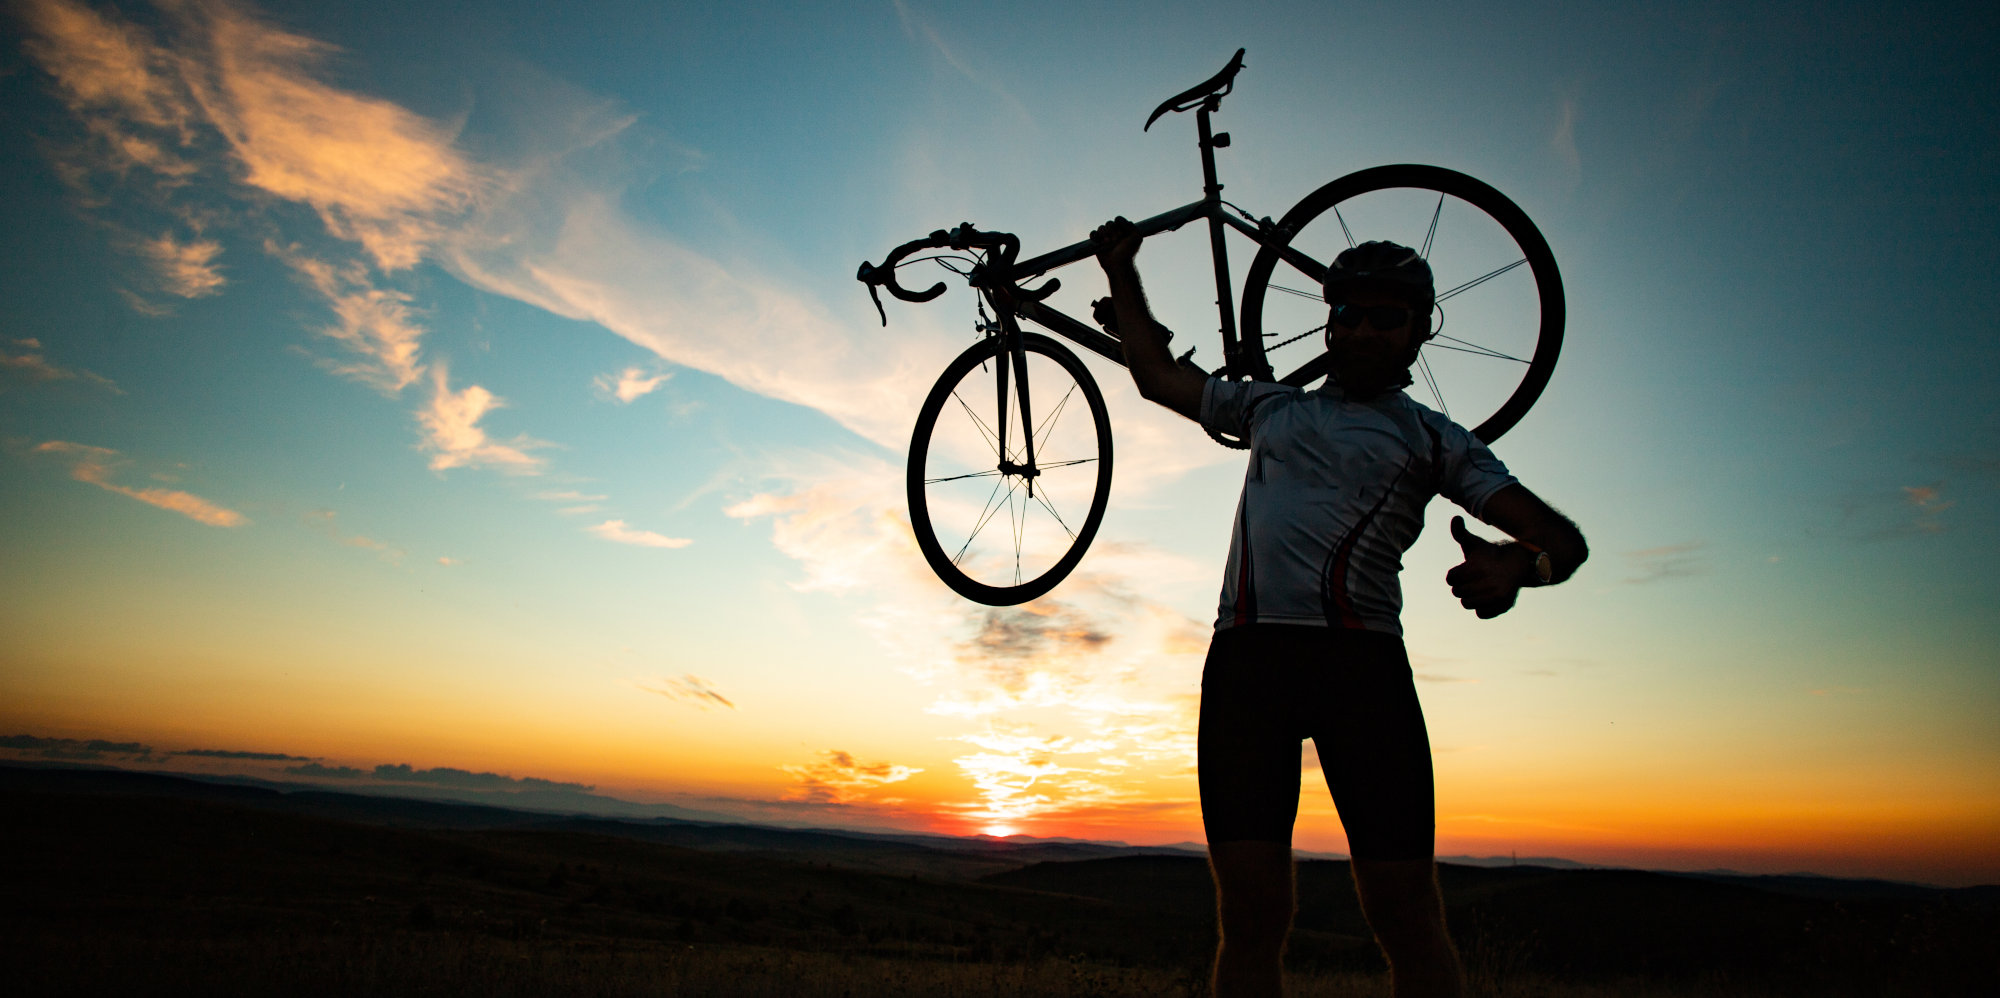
(1500, 313)
(995, 527)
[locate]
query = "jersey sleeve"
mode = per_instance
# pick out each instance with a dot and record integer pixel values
(1233, 407)
(1468, 473)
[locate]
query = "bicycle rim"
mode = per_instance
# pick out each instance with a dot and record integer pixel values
(995, 536)
(1500, 316)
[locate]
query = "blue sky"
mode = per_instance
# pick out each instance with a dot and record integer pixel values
(1775, 415)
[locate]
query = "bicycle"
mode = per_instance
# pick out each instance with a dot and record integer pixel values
(953, 450)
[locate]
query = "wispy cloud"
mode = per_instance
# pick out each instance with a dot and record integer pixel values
(617, 530)
(630, 383)
(1930, 503)
(836, 778)
(375, 173)
(185, 269)
(321, 771)
(915, 26)
(30, 364)
(447, 776)
(1879, 513)
(96, 465)
(242, 755)
(1563, 141)
(376, 325)
(1672, 561)
(78, 749)
(453, 436)
(580, 503)
(323, 521)
(690, 689)
(568, 495)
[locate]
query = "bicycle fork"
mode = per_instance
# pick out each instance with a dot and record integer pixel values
(1014, 354)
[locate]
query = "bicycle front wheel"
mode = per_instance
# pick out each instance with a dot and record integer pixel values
(1499, 321)
(995, 525)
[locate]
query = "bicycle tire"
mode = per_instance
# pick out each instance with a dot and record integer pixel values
(1546, 330)
(926, 456)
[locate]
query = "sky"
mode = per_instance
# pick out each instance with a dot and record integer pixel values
(393, 395)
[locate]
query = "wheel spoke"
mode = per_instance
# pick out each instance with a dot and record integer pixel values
(992, 439)
(1482, 279)
(1314, 295)
(1020, 524)
(954, 478)
(1042, 497)
(985, 513)
(1424, 365)
(1467, 346)
(1048, 422)
(1344, 230)
(1432, 234)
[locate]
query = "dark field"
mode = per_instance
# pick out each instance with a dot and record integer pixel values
(135, 884)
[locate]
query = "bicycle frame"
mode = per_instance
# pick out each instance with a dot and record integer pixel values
(1000, 278)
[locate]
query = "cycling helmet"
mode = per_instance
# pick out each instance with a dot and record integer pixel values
(1385, 268)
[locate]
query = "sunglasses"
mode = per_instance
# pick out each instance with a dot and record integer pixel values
(1380, 316)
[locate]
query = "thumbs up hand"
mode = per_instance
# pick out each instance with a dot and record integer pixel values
(1490, 577)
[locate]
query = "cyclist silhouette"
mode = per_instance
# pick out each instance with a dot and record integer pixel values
(1308, 640)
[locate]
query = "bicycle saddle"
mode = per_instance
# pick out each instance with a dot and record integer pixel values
(1216, 85)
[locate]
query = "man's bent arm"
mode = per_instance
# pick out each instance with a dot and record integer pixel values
(1158, 377)
(1526, 517)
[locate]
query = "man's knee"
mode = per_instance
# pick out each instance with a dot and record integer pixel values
(1400, 898)
(1253, 891)
(1255, 918)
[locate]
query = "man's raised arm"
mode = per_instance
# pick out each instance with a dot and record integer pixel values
(1159, 378)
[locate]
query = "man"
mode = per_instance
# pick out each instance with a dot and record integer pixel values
(1308, 643)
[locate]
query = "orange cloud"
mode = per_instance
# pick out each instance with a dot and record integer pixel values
(376, 173)
(102, 66)
(185, 269)
(616, 530)
(32, 365)
(451, 431)
(630, 383)
(838, 779)
(95, 464)
(690, 688)
(374, 323)
(323, 520)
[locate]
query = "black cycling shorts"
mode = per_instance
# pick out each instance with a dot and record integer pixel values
(1267, 687)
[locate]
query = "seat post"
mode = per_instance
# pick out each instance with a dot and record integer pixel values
(1233, 353)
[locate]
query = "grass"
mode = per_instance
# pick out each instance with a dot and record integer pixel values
(135, 896)
(448, 964)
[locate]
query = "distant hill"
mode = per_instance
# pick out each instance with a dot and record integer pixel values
(896, 852)
(124, 877)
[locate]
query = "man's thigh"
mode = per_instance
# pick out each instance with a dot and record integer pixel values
(1375, 752)
(1248, 743)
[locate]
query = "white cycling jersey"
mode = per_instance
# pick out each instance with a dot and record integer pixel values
(1334, 494)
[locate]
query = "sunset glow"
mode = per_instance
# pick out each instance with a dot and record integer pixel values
(481, 400)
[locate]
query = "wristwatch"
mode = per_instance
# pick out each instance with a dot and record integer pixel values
(1544, 568)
